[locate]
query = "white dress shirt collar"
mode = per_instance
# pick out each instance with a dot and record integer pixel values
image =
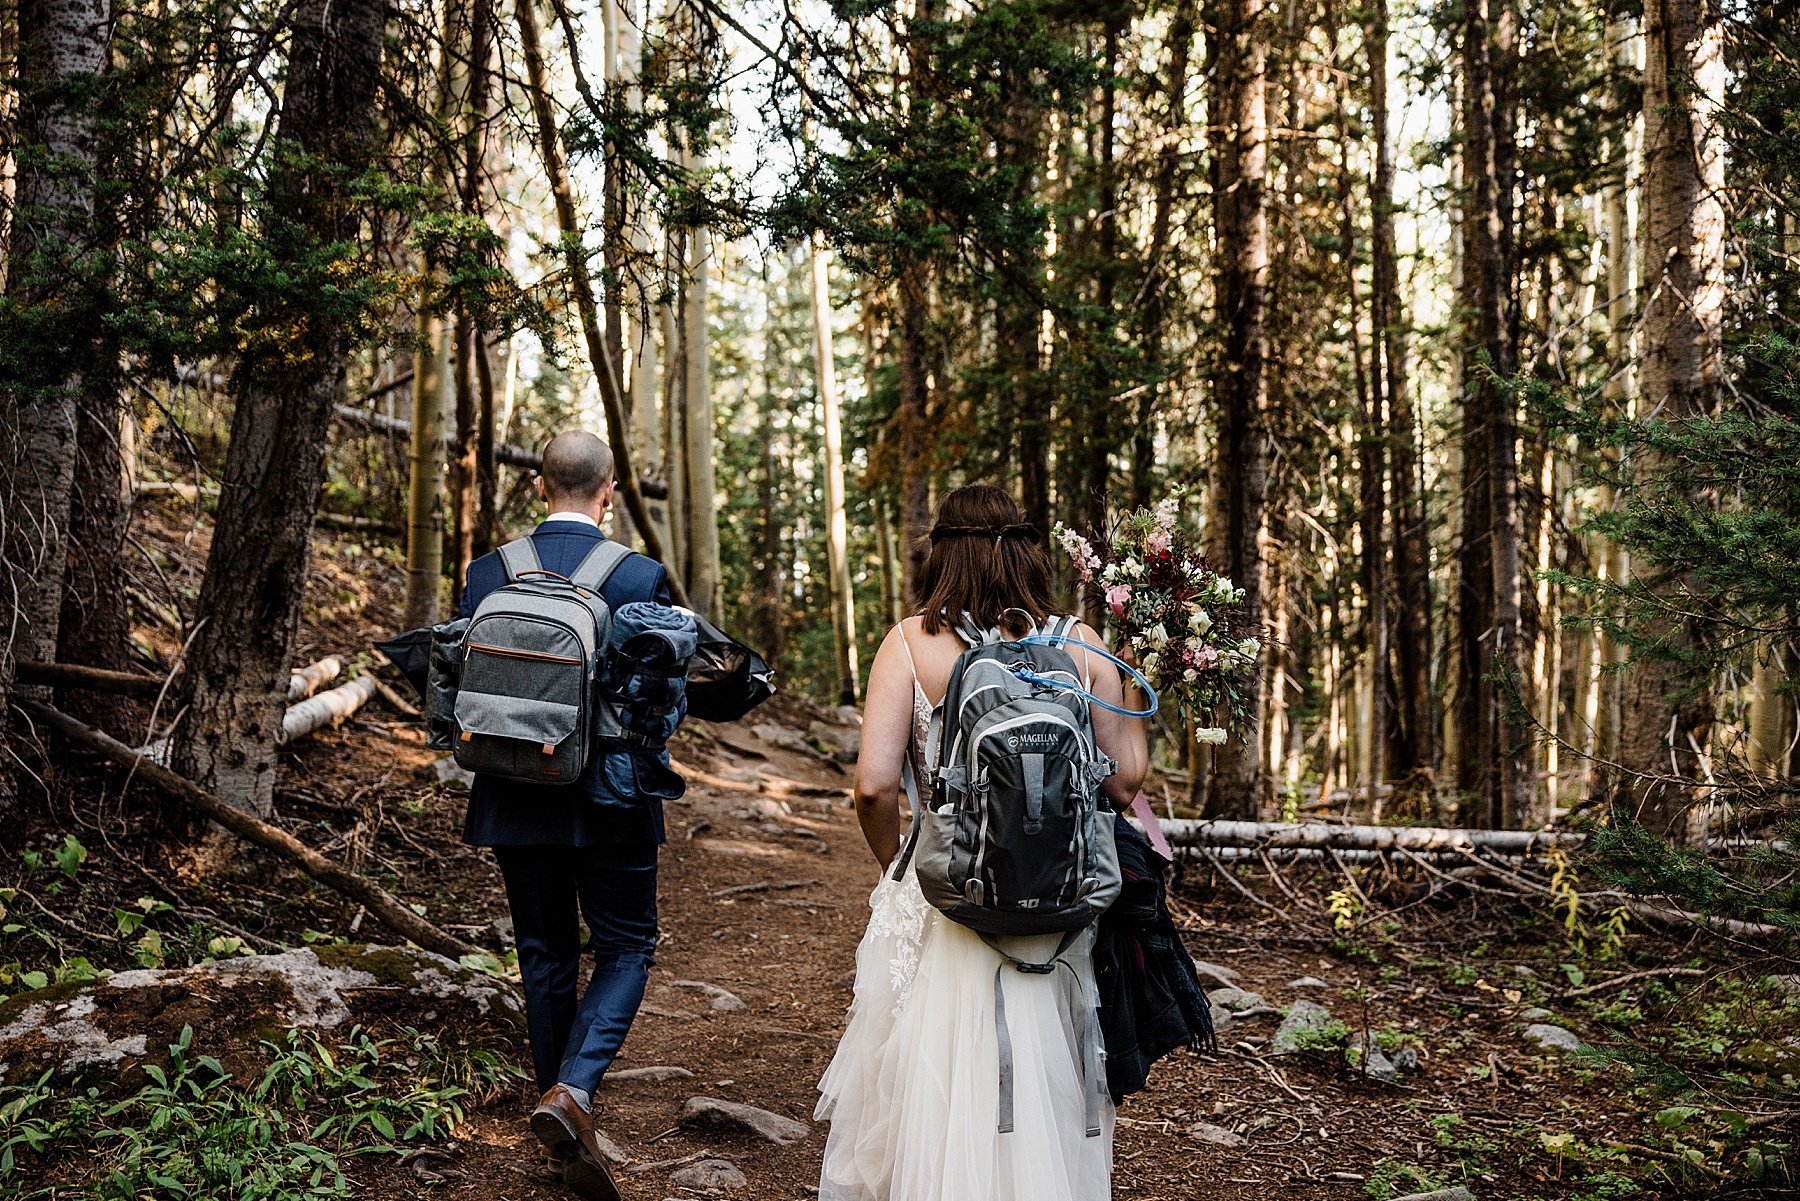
(571, 515)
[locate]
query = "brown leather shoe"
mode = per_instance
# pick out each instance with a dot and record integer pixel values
(567, 1132)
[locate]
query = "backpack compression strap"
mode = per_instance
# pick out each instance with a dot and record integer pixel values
(519, 557)
(598, 566)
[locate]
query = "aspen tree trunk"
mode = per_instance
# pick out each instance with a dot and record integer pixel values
(1769, 727)
(1612, 561)
(237, 668)
(1241, 480)
(646, 389)
(837, 534)
(61, 48)
(605, 367)
(914, 419)
(1665, 711)
(425, 490)
(697, 422)
(674, 406)
(1412, 635)
(432, 383)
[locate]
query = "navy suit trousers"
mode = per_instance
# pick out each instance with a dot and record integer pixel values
(575, 1034)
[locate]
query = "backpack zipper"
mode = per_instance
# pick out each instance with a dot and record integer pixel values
(514, 653)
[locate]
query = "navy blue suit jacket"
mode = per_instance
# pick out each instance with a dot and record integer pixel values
(582, 814)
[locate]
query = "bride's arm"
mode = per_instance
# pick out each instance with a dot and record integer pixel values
(1123, 738)
(886, 732)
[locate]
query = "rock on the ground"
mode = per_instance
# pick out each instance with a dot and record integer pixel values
(1224, 977)
(766, 809)
(843, 740)
(734, 1116)
(1308, 982)
(1235, 1000)
(723, 1000)
(1459, 1193)
(1365, 1054)
(1406, 1059)
(1218, 1136)
(715, 1174)
(1787, 982)
(111, 1022)
(448, 771)
(1552, 1038)
(648, 1075)
(1302, 1016)
(1537, 1013)
(781, 736)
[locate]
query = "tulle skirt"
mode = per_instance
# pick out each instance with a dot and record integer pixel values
(913, 1091)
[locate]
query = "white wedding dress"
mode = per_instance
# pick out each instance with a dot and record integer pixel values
(913, 1093)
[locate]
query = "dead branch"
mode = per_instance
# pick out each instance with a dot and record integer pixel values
(1628, 977)
(387, 908)
(92, 679)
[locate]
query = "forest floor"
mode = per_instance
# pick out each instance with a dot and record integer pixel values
(768, 804)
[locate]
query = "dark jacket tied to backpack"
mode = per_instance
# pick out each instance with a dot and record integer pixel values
(1150, 996)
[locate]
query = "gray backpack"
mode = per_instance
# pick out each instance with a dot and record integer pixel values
(528, 705)
(1017, 841)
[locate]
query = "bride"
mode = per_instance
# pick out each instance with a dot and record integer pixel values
(913, 1091)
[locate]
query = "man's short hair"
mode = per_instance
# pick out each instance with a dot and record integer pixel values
(577, 465)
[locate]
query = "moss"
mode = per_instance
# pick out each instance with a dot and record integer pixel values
(50, 994)
(388, 965)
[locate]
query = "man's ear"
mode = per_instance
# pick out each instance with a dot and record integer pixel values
(542, 493)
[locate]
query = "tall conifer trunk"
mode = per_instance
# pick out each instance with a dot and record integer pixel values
(1240, 477)
(234, 686)
(1665, 711)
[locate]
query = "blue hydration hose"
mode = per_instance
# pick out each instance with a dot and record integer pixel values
(1031, 677)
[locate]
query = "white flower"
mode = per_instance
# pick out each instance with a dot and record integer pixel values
(1157, 636)
(1131, 569)
(1190, 675)
(1200, 622)
(1150, 663)
(1249, 648)
(1210, 735)
(1196, 643)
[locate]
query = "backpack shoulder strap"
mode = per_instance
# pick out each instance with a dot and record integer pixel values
(598, 566)
(519, 557)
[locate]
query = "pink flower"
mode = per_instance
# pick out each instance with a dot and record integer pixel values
(1157, 542)
(1117, 597)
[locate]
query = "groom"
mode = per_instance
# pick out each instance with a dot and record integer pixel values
(574, 853)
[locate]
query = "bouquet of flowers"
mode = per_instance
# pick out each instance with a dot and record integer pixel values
(1179, 617)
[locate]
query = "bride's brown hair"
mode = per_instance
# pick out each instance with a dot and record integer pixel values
(985, 559)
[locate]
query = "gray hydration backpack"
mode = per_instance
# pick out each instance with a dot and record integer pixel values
(1017, 841)
(528, 706)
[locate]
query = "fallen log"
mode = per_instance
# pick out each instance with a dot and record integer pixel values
(350, 523)
(92, 679)
(309, 679)
(1342, 837)
(326, 709)
(383, 905)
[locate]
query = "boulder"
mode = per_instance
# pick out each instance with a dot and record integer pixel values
(1552, 1038)
(781, 736)
(1365, 1054)
(1537, 1013)
(1303, 1017)
(734, 1117)
(1308, 982)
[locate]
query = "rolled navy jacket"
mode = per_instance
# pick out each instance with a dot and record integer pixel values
(619, 797)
